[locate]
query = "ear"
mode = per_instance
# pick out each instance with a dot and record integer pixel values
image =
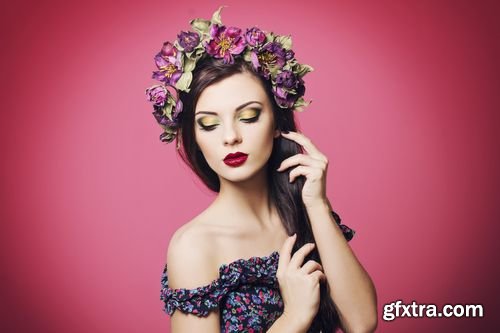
(277, 133)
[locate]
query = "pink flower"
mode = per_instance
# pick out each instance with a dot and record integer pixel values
(157, 94)
(168, 61)
(225, 42)
(255, 36)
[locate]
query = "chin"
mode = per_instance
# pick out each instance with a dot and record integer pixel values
(241, 173)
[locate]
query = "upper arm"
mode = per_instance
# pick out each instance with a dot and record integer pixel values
(189, 267)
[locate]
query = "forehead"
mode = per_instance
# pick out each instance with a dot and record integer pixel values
(231, 92)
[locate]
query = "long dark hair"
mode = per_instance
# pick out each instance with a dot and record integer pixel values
(286, 196)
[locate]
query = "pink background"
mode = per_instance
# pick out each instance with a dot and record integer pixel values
(405, 104)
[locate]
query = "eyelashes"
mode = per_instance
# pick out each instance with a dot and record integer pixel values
(208, 128)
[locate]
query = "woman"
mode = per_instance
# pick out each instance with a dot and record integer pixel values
(269, 254)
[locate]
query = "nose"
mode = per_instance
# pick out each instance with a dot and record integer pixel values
(231, 135)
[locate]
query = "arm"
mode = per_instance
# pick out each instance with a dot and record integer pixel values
(285, 324)
(189, 267)
(188, 323)
(351, 288)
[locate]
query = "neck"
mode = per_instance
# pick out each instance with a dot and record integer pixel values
(248, 200)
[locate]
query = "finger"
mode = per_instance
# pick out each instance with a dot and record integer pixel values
(302, 159)
(308, 172)
(285, 252)
(300, 254)
(318, 276)
(304, 142)
(311, 266)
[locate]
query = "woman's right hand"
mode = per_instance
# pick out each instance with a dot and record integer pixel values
(299, 284)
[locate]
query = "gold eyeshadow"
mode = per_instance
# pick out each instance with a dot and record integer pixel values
(247, 114)
(208, 121)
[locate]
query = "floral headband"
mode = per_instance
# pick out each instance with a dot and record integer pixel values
(270, 55)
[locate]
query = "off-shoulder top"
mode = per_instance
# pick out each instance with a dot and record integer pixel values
(246, 293)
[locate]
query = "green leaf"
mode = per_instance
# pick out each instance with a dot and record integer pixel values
(216, 16)
(269, 37)
(302, 69)
(197, 52)
(285, 41)
(300, 104)
(167, 110)
(293, 61)
(177, 45)
(202, 26)
(170, 133)
(247, 55)
(184, 81)
(189, 64)
(274, 70)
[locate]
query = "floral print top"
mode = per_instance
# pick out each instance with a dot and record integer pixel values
(246, 293)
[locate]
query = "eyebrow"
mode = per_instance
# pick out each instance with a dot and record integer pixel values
(237, 109)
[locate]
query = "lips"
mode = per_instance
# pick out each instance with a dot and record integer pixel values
(235, 155)
(235, 159)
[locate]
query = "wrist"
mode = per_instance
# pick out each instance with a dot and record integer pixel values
(318, 205)
(295, 323)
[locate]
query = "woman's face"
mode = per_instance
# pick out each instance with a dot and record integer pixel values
(235, 115)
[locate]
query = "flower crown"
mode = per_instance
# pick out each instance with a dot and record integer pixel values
(269, 54)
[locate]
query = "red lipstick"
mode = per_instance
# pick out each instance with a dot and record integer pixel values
(235, 159)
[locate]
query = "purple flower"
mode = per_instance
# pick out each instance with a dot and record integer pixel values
(188, 40)
(285, 98)
(168, 50)
(162, 119)
(287, 79)
(177, 110)
(166, 107)
(255, 36)
(157, 94)
(271, 55)
(168, 61)
(225, 42)
(289, 55)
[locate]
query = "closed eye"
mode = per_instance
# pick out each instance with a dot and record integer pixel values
(250, 120)
(245, 120)
(207, 128)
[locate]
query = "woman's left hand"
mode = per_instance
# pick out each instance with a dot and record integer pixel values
(312, 165)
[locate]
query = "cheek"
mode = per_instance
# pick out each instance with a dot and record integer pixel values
(209, 156)
(262, 139)
(202, 139)
(209, 150)
(205, 149)
(203, 144)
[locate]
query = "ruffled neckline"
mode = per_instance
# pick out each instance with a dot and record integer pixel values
(249, 261)
(254, 270)
(270, 260)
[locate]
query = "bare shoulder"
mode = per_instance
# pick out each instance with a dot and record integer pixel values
(190, 256)
(190, 265)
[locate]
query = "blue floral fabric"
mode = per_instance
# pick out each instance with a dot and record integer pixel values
(246, 293)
